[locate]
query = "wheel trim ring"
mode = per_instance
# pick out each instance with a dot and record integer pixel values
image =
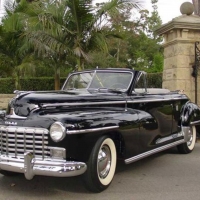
(191, 142)
(107, 180)
(104, 161)
(191, 138)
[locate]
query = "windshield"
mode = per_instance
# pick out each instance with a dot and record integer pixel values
(119, 80)
(78, 81)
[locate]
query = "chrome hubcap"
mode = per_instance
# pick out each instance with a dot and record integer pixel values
(190, 138)
(104, 161)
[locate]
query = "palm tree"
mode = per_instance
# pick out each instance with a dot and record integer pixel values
(57, 29)
(71, 26)
(13, 62)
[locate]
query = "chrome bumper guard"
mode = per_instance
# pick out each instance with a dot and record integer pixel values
(31, 166)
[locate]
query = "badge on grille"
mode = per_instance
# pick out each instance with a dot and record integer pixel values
(10, 123)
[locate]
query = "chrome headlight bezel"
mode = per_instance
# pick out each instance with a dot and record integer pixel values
(57, 131)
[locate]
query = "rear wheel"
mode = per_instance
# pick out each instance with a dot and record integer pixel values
(188, 147)
(101, 165)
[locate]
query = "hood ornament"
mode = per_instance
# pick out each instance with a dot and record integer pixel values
(12, 111)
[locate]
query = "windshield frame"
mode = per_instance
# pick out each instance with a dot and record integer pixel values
(95, 71)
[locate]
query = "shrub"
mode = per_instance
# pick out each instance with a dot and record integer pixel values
(7, 85)
(154, 80)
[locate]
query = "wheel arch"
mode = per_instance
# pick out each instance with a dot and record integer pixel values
(118, 139)
(190, 115)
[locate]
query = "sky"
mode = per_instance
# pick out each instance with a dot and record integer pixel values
(167, 9)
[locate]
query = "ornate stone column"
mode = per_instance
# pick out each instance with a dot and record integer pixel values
(180, 36)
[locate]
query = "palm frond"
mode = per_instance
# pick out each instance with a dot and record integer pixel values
(81, 53)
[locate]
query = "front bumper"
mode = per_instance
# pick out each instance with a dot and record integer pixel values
(31, 166)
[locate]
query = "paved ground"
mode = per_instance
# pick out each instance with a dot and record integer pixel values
(165, 176)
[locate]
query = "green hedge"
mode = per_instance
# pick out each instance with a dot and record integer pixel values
(7, 85)
(154, 80)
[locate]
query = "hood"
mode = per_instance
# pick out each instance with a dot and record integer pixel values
(26, 102)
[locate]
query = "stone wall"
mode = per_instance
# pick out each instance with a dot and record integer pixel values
(180, 36)
(179, 58)
(4, 99)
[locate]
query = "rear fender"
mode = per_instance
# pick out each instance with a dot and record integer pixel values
(190, 114)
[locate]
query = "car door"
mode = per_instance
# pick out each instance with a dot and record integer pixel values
(155, 117)
(155, 125)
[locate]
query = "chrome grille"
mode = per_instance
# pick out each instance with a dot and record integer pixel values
(15, 141)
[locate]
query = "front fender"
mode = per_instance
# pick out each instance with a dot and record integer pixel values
(190, 114)
(87, 127)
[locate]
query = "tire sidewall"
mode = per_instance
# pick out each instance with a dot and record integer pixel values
(91, 177)
(185, 148)
(108, 179)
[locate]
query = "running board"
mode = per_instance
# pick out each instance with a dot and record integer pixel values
(148, 153)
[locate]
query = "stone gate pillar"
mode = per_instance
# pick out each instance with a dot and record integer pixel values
(180, 36)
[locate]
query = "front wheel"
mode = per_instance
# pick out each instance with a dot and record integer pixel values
(101, 165)
(188, 147)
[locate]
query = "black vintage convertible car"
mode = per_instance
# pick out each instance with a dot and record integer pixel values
(97, 117)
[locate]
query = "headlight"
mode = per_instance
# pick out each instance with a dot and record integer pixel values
(57, 131)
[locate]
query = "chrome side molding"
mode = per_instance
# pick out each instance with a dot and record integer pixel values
(195, 122)
(91, 130)
(185, 134)
(151, 152)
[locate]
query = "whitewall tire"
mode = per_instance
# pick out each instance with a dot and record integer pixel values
(101, 165)
(188, 147)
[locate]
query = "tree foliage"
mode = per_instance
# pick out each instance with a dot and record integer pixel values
(49, 37)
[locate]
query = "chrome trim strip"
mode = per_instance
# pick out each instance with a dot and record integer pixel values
(171, 137)
(195, 122)
(80, 104)
(154, 100)
(31, 166)
(91, 130)
(108, 102)
(151, 152)
(21, 129)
